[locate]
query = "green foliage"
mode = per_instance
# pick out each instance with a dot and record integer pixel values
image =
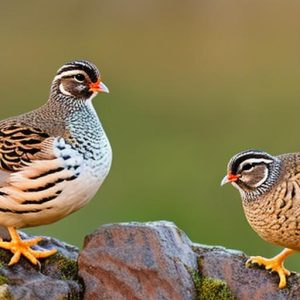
(3, 279)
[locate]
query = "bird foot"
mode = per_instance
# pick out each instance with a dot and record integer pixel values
(274, 264)
(23, 247)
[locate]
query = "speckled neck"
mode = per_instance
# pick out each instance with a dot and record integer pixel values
(74, 119)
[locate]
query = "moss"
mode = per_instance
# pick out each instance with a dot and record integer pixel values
(3, 280)
(68, 269)
(208, 288)
(213, 289)
(5, 257)
(57, 267)
(66, 266)
(196, 279)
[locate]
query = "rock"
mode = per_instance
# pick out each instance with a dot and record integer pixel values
(138, 261)
(156, 261)
(55, 279)
(244, 283)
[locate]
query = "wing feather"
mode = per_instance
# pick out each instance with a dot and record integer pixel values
(38, 167)
(20, 144)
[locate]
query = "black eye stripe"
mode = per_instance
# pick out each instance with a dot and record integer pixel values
(252, 165)
(247, 167)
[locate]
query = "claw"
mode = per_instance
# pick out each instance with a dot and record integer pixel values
(274, 264)
(22, 247)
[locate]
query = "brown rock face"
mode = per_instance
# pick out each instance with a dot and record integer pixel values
(141, 261)
(244, 283)
(156, 261)
(138, 261)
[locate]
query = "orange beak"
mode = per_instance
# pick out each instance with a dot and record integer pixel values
(98, 87)
(230, 178)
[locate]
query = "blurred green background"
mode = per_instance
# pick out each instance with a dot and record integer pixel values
(192, 83)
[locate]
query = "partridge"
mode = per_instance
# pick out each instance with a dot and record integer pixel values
(270, 191)
(52, 159)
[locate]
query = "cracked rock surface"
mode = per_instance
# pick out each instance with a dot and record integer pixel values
(156, 260)
(138, 261)
(141, 261)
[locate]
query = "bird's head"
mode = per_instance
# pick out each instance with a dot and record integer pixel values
(79, 80)
(252, 172)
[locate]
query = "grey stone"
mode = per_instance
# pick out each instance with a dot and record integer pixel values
(55, 279)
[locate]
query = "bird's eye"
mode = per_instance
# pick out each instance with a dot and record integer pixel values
(247, 167)
(79, 77)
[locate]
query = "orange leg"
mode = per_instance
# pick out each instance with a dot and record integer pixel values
(22, 247)
(274, 264)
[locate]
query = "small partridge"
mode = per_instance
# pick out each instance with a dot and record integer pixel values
(52, 159)
(270, 191)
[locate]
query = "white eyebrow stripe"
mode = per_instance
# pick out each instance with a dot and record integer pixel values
(255, 161)
(69, 74)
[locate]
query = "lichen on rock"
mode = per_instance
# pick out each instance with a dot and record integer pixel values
(55, 279)
(157, 261)
(208, 288)
(140, 261)
(212, 289)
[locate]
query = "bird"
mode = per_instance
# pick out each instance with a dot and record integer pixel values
(270, 190)
(52, 159)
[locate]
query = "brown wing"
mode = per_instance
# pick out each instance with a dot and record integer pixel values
(31, 174)
(20, 144)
